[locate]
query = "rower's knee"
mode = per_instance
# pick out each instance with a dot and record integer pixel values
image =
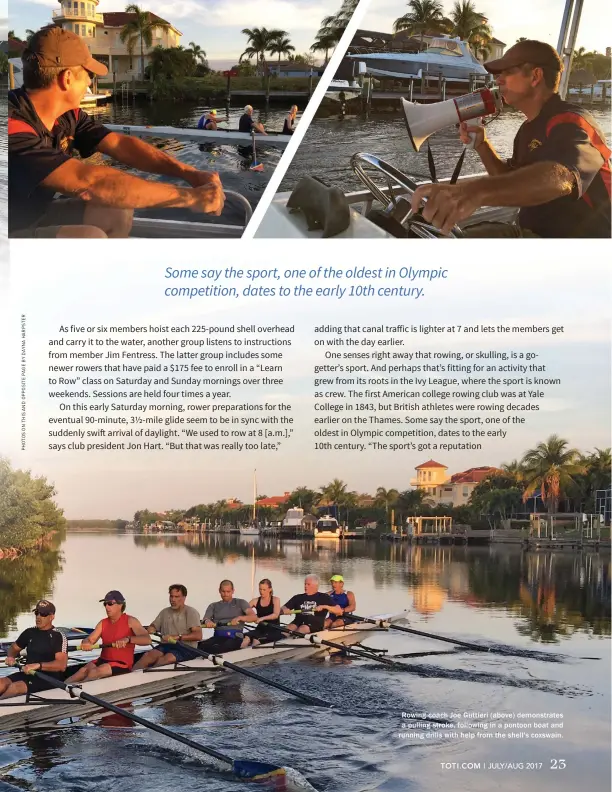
(114, 222)
(81, 232)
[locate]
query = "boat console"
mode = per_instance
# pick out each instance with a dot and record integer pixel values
(315, 210)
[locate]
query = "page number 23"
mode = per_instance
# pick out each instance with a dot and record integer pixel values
(557, 764)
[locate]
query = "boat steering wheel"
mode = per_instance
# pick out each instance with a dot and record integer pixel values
(394, 213)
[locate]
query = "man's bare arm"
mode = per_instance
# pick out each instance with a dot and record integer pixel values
(529, 186)
(142, 156)
(491, 160)
(114, 188)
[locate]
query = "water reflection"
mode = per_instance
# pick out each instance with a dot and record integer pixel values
(553, 593)
(24, 580)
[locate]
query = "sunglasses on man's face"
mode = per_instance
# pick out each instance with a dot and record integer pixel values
(108, 603)
(41, 613)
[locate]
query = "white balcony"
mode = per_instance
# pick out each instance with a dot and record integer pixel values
(71, 13)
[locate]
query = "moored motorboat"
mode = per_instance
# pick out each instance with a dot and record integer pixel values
(450, 58)
(327, 527)
(343, 90)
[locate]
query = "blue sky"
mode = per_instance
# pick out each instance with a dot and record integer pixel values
(213, 24)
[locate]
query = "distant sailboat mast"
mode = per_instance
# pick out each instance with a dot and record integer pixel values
(254, 494)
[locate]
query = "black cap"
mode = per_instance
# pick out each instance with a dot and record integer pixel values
(44, 607)
(114, 595)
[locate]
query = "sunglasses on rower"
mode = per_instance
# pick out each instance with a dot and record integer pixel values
(42, 613)
(108, 603)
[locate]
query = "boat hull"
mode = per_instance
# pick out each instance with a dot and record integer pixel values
(167, 682)
(419, 67)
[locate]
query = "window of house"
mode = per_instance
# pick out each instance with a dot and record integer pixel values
(83, 30)
(68, 26)
(466, 492)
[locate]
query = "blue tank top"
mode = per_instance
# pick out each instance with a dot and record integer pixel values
(340, 599)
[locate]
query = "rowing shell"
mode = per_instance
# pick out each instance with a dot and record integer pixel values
(15, 713)
(200, 135)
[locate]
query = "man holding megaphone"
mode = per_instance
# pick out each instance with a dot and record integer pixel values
(559, 173)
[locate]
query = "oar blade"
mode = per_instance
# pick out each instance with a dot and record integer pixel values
(249, 770)
(258, 167)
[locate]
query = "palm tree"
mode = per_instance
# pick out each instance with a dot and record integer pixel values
(281, 46)
(324, 42)
(259, 41)
(141, 28)
(514, 469)
(386, 497)
(470, 25)
(424, 15)
(335, 25)
(551, 467)
(198, 53)
(336, 493)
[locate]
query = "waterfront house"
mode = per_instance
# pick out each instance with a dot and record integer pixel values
(102, 33)
(455, 490)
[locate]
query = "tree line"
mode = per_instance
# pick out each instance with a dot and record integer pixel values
(549, 475)
(28, 513)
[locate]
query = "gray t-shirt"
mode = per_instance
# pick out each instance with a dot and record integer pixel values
(226, 611)
(177, 622)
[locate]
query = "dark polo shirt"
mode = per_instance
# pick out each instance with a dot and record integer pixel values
(35, 152)
(567, 134)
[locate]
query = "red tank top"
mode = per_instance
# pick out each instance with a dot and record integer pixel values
(123, 658)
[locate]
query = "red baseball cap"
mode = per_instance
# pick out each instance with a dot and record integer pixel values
(54, 46)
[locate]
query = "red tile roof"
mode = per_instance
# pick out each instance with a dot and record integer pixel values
(275, 500)
(121, 18)
(431, 464)
(474, 475)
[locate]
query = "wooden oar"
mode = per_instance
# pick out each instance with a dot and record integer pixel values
(383, 623)
(245, 769)
(219, 661)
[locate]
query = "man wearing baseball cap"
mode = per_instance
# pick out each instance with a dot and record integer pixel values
(559, 172)
(47, 128)
(344, 599)
(46, 650)
(120, 633)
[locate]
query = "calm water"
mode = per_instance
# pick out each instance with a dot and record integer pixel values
(230, 161)
(329, 144)
(553, 607)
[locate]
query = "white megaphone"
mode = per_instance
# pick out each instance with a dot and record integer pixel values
(423, 120)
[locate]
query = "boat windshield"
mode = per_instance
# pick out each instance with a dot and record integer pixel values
(445, 47)
(327, 525)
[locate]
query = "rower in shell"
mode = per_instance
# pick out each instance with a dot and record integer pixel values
(344, 599)
(119, 633)
(227, 616)
(312, 607)
(179, 622)
(268, 608)
(46, 650)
